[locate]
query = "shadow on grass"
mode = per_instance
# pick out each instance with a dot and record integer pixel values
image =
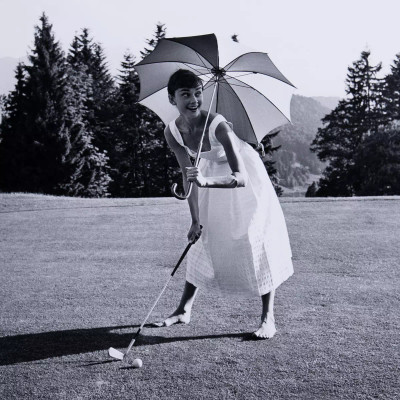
(40, 346)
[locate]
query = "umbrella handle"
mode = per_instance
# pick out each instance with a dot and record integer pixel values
(177, 195)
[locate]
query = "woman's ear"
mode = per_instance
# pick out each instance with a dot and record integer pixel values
(172, 100)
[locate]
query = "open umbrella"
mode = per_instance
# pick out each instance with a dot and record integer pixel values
(248, 89)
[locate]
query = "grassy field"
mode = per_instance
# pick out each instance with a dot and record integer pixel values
(79, 275)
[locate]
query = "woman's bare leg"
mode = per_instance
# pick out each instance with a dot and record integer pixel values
(183, 312)
(267, 328)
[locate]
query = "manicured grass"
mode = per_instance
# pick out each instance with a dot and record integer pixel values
(79, 275)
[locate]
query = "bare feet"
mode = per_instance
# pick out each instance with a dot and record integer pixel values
(266, 330)
(177, 317)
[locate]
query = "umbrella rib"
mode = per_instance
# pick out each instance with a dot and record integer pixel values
(243, 86)
(198, 55)
(239, 76)
(233, 62)
(198, 71)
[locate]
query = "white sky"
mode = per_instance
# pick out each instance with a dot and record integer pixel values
(311, 41)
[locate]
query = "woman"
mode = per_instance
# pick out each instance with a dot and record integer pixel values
(243, 248)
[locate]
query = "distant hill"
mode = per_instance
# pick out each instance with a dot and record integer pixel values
(297, 166)
(328, 102)
(7, 73)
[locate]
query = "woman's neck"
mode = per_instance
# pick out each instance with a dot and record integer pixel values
(192, 123)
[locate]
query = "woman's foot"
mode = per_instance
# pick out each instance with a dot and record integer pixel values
(178, 317)
(266, 330)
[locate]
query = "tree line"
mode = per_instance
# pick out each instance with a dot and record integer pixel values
(70, 128)
(360, 138)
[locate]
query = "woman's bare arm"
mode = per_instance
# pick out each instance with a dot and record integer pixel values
(184, 162)
(239, 176)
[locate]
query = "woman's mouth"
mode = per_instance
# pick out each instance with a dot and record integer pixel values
(193, 108)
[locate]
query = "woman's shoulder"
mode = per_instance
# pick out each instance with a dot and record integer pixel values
(219, 123)
(173, 137)
(215, 116)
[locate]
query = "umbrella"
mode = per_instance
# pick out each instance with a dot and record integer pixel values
(248, 88)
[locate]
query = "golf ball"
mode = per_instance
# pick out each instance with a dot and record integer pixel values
(137, 363)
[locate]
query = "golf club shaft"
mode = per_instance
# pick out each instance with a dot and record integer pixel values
(159, 296)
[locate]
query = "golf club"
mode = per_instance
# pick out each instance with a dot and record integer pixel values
(120, 355)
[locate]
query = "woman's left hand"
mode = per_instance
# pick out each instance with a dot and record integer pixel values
(193, 174)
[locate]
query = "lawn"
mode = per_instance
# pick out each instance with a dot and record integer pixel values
(79, 275)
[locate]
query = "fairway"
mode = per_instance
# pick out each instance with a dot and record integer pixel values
(79, 275)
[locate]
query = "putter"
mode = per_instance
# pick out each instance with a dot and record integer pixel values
(114, 353)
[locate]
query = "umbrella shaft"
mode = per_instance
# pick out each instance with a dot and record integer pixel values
(205, 126)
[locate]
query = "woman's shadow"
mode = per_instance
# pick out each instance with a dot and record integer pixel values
(40, 346)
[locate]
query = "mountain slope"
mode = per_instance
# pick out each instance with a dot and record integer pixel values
(295, 163)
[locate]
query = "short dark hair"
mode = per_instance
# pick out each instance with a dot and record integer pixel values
(183, 78)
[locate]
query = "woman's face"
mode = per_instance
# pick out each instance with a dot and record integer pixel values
(188, 101)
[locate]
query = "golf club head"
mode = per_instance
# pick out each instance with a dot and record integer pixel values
(114, 353)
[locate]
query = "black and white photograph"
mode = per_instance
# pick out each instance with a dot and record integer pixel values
(199, 200)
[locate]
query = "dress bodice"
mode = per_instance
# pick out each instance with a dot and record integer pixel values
(216, 153)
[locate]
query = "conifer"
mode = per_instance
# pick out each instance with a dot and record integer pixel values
(345, 128)
(267, 158)
(391, 92)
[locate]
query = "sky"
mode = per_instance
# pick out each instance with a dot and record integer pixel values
(312, 42)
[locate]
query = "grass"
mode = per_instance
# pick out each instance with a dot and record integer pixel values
(79, 275)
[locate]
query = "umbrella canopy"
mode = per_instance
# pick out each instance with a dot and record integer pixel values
(251, 93)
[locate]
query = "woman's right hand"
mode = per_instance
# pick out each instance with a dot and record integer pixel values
(194, 232)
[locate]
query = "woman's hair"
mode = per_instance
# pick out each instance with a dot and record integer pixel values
(183, 78)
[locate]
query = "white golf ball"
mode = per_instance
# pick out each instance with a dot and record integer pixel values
(137, 363)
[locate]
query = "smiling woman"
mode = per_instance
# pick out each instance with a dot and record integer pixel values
(240, 241)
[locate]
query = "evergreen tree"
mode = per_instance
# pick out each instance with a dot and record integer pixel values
(159, 34)
(391, 92)
(86, 164)
(37, 136)
(89, 56)
(266, 156)
(127, 174)
(47, 147)
(16, 143)
(345, 128)
(377, 163)
(312, 190)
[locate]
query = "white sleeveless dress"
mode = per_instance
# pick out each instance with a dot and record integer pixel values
(244, 247)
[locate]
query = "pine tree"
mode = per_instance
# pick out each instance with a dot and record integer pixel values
(127, 174)
(345, 128)
(47, 99)
(16, 142)
(37, 136)
(391, 92)
(86, 165)
(378, 163)
(312, 190)
(159, 34)
(86, 54)
(269, 149)
(47, 147)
